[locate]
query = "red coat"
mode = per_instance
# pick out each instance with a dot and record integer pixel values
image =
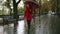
(28, 13)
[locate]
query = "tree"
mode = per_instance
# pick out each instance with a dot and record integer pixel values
(56, 6)
(15, 9)
(15, 14)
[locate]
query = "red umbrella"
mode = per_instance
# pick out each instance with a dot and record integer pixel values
(32, 3)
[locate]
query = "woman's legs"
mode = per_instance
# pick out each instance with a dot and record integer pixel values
(28, 23)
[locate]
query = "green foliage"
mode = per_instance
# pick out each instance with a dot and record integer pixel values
(56, 5)
(37, 10)
(0, 12)
(59, 7)
(21, 10)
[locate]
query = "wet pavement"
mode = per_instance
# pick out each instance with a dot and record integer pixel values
(1, 29)
(48, 24)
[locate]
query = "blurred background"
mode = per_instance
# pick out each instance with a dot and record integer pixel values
(46, 18)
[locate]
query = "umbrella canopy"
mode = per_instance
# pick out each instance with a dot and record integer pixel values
(32, 3)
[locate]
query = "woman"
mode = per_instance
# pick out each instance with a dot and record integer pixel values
(28, 15)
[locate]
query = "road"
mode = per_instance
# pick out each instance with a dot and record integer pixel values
(48, 24)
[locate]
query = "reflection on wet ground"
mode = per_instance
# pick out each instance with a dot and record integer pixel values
(20, 29)
(9, 29)
(48, 24)
(1, 29)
